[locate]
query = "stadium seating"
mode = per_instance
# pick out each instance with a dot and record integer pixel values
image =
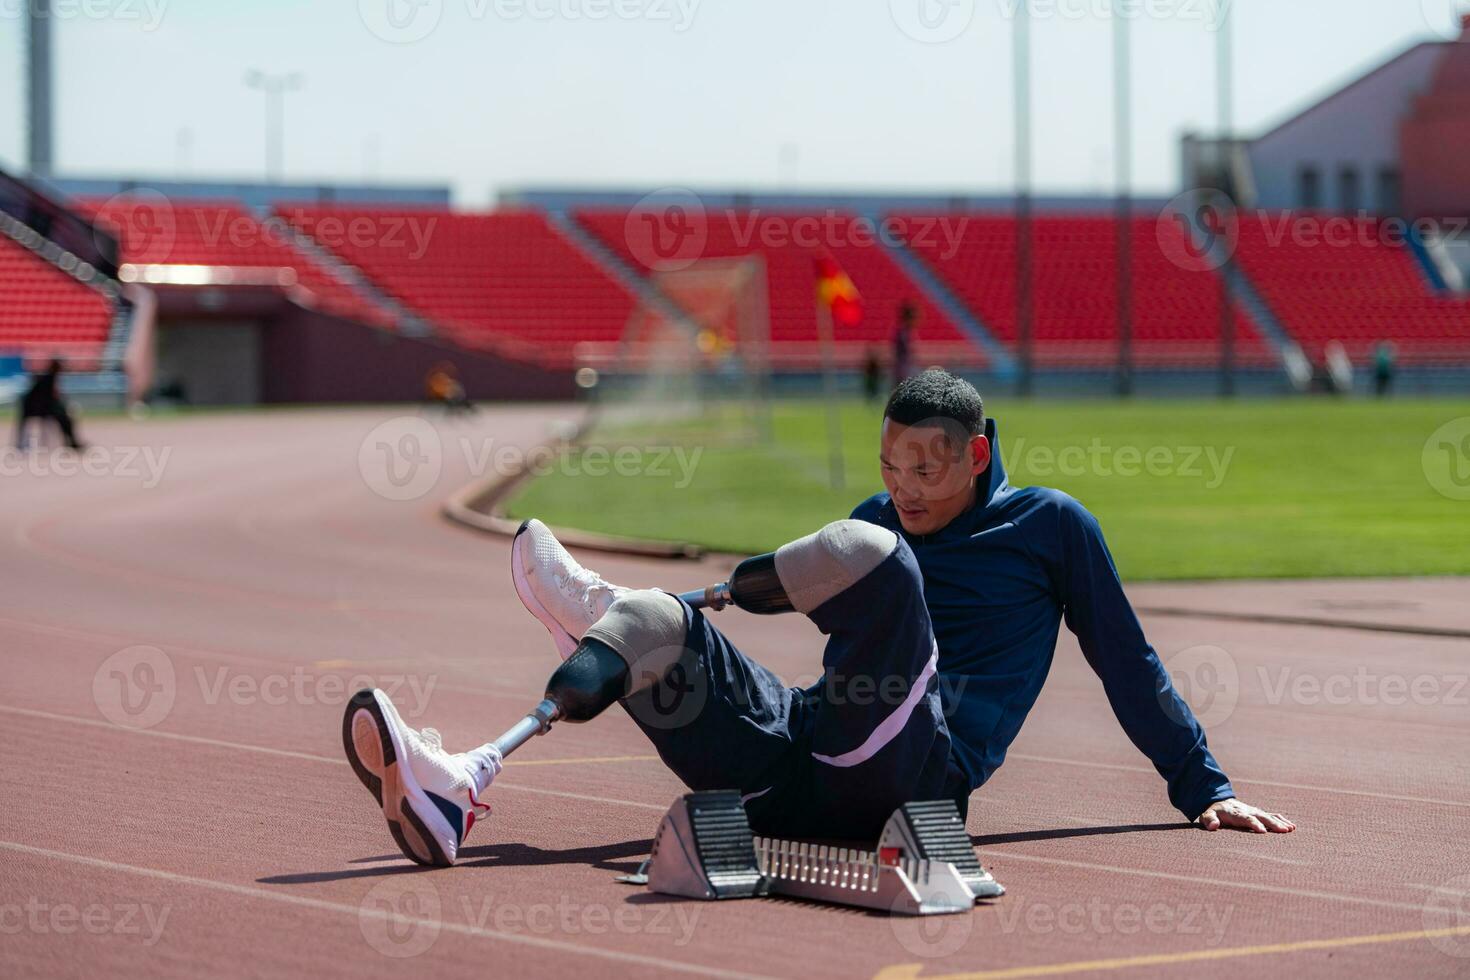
(45, 312)
(223, 234)
(506, 280)
(1331, 278)
(1176, 310)
(791, 278)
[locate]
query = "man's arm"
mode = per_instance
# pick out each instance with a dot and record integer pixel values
(1142, 696)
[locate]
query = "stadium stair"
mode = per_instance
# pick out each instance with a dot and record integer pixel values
(1359, 291)
(791, 280)
(1175, 322)
(940, 295)
(406, 321)
(54, 304)
(615, 267)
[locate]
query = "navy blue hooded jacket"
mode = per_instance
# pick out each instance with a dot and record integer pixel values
(998, 580)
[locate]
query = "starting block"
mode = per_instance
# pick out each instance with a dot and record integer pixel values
(923, 864)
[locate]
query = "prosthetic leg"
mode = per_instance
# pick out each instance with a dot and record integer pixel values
(798, 577)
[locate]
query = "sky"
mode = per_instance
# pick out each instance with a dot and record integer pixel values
(811, 95)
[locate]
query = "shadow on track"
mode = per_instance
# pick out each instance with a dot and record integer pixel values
(511, 855)
(986, 840)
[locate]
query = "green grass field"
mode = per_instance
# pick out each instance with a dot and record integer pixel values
(1195, 489)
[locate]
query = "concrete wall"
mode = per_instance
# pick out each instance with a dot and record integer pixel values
(217, 361)
(1358, 127)
(308, 357)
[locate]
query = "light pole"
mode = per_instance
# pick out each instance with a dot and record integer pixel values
(1024, 308)
(1123, 140)
(1225, 92)
(275, 88)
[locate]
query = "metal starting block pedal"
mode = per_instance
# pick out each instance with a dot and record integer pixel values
(923, 865)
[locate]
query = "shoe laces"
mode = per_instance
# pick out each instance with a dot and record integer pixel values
(582, 585)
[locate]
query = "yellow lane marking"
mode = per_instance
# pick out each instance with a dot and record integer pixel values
(911, 971)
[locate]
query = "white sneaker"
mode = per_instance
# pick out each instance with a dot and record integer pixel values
(428, 795)
(559, 592)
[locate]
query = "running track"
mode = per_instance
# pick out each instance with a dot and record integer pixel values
(228, 606)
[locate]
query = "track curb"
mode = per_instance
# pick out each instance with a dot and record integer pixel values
(480, 506)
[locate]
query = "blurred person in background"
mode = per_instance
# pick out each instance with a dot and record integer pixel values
(903, 341)
(442, 388)
(1385, 364)
(42, 401)
(872, 375)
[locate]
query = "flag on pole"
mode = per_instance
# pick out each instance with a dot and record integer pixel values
(836, 292)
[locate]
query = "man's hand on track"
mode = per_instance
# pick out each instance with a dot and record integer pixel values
(1237, 815)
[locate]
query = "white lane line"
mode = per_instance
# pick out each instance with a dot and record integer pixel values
(307, 757)
(235, 658)
(1258, 856)
(1251, 782)
(371, 912)
(994, 849)
(993, 856)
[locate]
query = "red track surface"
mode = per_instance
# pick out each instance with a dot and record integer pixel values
(230, 839)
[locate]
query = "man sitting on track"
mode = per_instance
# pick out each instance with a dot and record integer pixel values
(941, 600)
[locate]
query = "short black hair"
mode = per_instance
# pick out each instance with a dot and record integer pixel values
(936, 397)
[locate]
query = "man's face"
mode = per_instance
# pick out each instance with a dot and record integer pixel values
(930, 471)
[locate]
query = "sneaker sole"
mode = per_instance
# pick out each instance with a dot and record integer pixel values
(566, 644)
(373, 750)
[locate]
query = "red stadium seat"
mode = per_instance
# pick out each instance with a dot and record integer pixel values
(45, 312)
(1176, 310)
(1332, 278)
(156, 231)
(790, 277)
(487, 280)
